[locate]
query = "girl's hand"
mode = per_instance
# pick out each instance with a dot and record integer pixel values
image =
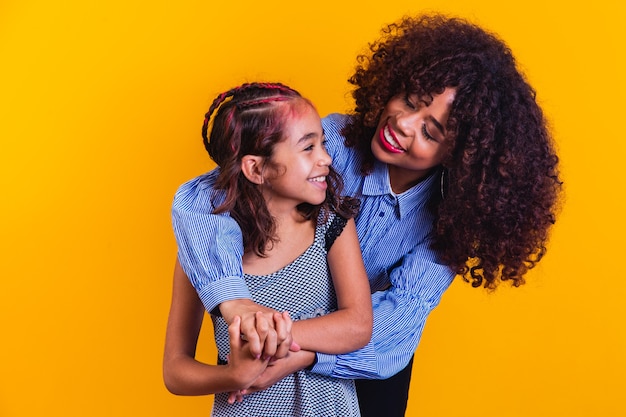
(283, 324)
(279, 369)
(258, 327)
(276, 371)
(243, 367)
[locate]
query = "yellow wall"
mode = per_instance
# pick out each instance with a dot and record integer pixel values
(101, 107)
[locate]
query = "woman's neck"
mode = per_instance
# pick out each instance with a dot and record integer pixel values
(402, 179)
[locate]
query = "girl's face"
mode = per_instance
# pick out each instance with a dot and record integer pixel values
(299, 163)
(411, 136)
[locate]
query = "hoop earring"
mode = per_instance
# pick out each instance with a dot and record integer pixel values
(442, 183)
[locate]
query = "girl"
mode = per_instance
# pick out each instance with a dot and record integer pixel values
(274, 178)
(449, 153)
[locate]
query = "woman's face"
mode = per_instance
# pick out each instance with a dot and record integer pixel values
(411, 136)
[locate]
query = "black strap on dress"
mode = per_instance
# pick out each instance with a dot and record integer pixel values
(334, 230)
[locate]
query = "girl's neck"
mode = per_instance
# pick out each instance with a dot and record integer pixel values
(294, 235)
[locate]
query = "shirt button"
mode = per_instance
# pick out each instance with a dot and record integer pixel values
(381, 214)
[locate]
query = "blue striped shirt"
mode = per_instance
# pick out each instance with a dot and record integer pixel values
(394, 233)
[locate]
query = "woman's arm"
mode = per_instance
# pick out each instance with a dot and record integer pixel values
(400, 314)
(182, 373)
(350, 327)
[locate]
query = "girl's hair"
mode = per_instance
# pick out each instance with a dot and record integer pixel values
(250, 120)
(502, 182)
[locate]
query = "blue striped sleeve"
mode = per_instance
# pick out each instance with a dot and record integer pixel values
(399, 317)
(332, 125)
(210, 247)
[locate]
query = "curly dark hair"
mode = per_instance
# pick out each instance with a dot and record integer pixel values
(502, 180)
(250, 120)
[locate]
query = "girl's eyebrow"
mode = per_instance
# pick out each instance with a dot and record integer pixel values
(308, 136)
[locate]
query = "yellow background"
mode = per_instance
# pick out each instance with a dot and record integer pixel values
(101, 108)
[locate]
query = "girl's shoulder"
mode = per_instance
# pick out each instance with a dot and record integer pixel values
(329, 226)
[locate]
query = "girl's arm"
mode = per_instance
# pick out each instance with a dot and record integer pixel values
(182, 373)
(350, 327)
(210, 248)
(276, 371)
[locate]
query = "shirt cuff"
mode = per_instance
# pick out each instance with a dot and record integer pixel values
(325, 364)
(224, 289)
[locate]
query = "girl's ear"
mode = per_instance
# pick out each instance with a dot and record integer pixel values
(252, 168)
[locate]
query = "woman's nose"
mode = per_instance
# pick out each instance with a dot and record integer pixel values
(408, 122)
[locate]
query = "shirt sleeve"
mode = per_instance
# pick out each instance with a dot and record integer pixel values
(333, 124)
(399, 317)
(210, 246)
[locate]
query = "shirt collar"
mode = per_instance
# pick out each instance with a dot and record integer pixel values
(377, 184)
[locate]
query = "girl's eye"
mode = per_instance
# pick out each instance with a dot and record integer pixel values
(426, 134)
(309, 148)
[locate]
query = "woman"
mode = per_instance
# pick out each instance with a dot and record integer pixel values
(451, 158)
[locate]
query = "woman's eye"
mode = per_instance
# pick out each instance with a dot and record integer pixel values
(408, 102)
(426, 134)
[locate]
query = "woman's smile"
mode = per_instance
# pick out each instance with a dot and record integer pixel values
(388, 140)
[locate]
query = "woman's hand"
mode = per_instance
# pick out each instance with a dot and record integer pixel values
(267, 331)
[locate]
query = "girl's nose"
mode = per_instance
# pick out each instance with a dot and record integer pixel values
(325, 159)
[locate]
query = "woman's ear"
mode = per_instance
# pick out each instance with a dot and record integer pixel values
(252, 168)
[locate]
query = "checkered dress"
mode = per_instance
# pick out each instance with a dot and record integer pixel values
(305, 289)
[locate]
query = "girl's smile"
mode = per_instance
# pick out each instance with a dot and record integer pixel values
(299, 164)
(319, 182)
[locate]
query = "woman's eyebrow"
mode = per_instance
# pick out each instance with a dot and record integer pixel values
(438, 125)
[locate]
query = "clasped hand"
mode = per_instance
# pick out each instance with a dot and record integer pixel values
(267, 331)
(261, 336)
